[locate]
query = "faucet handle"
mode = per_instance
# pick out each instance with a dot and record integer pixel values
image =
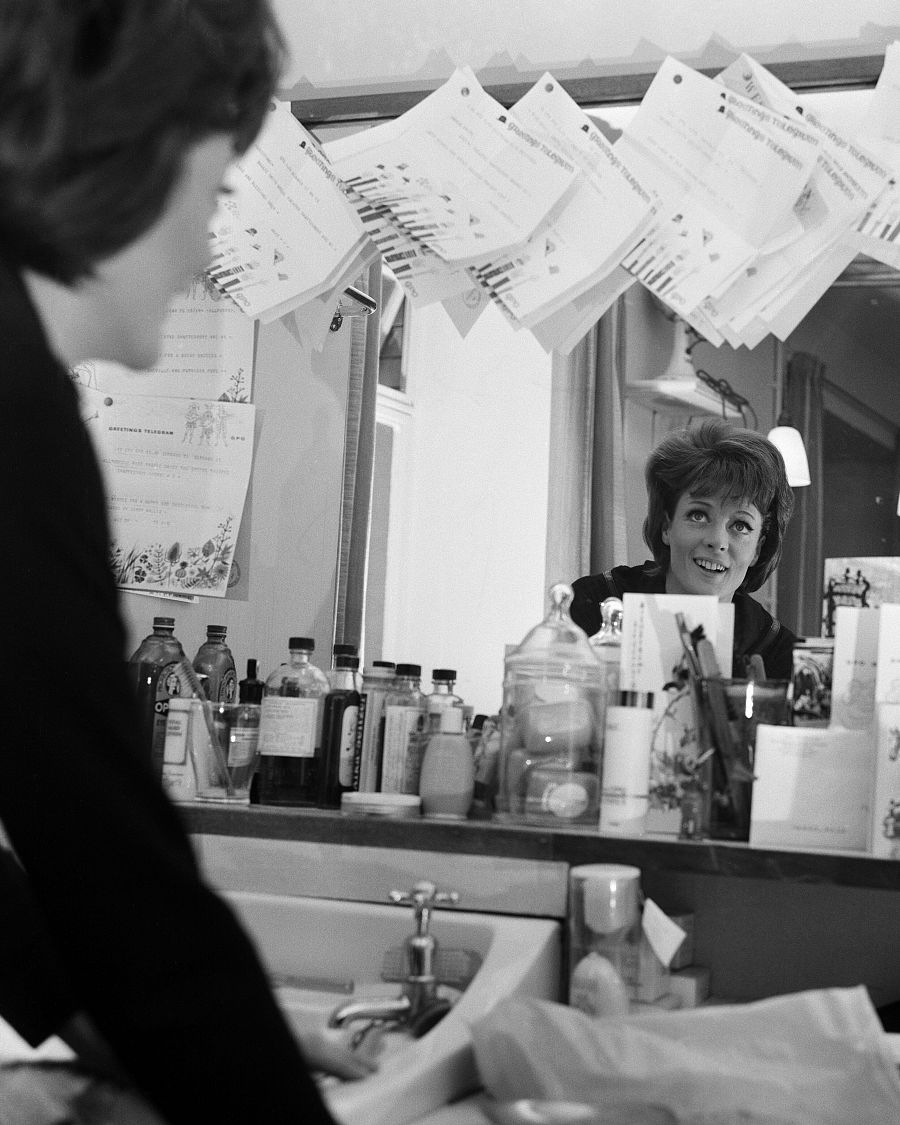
(424, 895)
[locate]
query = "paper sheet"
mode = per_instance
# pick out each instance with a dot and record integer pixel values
(176, 473)
(459, 176)
(207, 352)
(286, 233)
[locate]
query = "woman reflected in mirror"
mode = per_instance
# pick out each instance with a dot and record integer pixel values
(718, 506)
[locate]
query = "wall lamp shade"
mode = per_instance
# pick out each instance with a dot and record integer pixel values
(789, 443)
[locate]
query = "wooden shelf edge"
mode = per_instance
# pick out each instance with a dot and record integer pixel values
(568, 845)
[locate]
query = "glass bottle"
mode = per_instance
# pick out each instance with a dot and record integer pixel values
(378, 680)
(215, 661)
(290, 729)
(342, 649)
(340, 715)
(442, 696)
(607, 646)
(447, 778)
(551, 732)
(163, 651)
(404, 727)
(251, 688)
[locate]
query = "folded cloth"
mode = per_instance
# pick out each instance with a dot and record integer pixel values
(810, 1058)
(62, 1094)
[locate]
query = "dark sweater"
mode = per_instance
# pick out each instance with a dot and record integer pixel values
(143, 945)
(756, 632)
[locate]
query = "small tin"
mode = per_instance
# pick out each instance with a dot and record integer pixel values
(810, 691)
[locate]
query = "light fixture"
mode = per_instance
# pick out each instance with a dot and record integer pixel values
(787, 440)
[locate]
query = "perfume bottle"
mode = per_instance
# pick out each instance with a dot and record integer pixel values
(290, 729)
(404, 728)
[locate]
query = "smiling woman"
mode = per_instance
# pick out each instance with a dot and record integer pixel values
(718, 506)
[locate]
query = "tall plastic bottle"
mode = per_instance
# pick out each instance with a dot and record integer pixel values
(447, 778)
(405, 722)
(163, 650)
(215, 661)
(378, 680)
(341, 712)
(290, 729)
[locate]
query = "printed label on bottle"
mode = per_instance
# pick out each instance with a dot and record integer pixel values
(402, 754)
(348, 746)
(175, 749)
(288, 726)
(242, 745)
(228, 686)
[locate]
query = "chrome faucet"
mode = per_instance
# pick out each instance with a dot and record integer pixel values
(418, 1007)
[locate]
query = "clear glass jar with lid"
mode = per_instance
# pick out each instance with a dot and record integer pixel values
(551, 723)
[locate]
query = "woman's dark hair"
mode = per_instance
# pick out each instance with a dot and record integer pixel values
(99, 102)
(711, 458)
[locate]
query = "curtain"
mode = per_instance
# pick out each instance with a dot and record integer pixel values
(586, 510)
(359, 458)
(800, 573)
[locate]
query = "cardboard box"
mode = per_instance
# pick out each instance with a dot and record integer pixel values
(690, 985)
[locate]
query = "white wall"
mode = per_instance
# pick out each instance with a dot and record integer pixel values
(468, 575)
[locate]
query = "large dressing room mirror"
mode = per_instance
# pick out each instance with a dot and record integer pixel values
(493, 458)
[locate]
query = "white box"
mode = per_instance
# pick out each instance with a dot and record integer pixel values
(855, 663)
(887, 674)
(886, 799)
(813, 788)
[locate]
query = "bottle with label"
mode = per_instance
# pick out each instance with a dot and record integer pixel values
(447, 778)
(163, 650)
(441, 697)
(251, 687)
(405, 722)
(378, 680)
(245, 718)
(290, 729)
(214, 660)
(341, 712)
(625, 777)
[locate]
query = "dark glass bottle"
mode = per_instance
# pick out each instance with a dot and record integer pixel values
(290, 729)
(162, 650)
(339, 719)
(214, 660)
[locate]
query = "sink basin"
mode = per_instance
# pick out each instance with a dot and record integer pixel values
(322, 952)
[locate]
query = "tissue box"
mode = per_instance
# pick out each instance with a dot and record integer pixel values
(691, 986)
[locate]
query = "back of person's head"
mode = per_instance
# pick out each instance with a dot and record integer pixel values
(715, 458)
(99, 102)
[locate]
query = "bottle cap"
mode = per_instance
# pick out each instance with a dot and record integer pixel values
(216, 630)
(302, 642)
(443, 674)
(411, 671)
(346, 661)
(609, 894)
(341, 649)
(163, 622)
(383, 664)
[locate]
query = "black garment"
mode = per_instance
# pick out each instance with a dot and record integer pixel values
(148, 950)
(756, 632)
